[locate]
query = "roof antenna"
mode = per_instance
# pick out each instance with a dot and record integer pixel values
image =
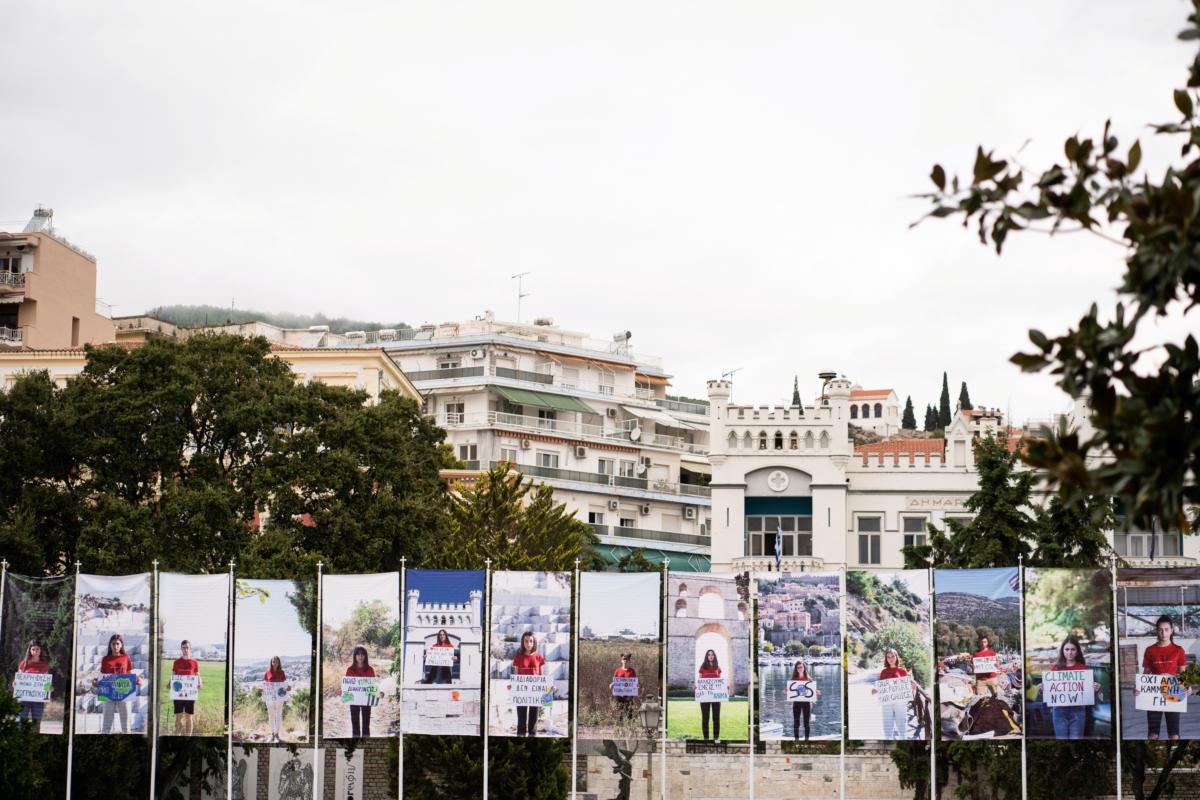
(519, 278)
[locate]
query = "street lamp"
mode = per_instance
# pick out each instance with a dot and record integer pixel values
(650, 714)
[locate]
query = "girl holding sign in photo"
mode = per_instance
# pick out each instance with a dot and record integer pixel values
(528, 662)
(985, 680)
(1164, 657)
(185, 710)
(360, 716)
(116, 662)
(273, 697)
(709, 668)
(625, 704)
(442, 674)
(895, 715)
(1069, 721)
(800, 673)
(35, 664)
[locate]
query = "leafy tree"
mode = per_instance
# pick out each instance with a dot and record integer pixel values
(964, 398)
(909, 420)
(635, 561)
(943, 410)
(197, 315)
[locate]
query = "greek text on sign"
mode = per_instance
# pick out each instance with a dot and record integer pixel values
(1161, 693)
(185, 687)
(115, 688)
(802, 691)
(274, 691)
(439, 657)
(985, 664)
(894, 690)
(31, 687)
(1069, 687)
(625, 687)
(711, 690)
(530, 690)
(360, 691)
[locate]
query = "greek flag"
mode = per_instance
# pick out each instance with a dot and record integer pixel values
(778, 547)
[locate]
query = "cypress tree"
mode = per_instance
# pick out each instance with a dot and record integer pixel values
(909, 420)
(796, 391)
(944, 405)
(930, 418)
(964, 397)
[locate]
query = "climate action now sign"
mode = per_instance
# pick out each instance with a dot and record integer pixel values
(1160, 693)
(1069, 687)
(32, 687)
(530, 690)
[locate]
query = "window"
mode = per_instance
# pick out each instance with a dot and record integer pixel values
(868, 548)
(595, 517)
(870, 524)
(10, 262)
(510, 454)
(793, 441)
(625, 469)
(795, 535)
(468, 452)
(547, 418)
(449, 364)
(1141, 544)
(626, 522)
(74, 331)
(545, 459)
(914, 540)
(455, 413)
(570, 377)
(866, 411)
(778, 440)
(853, 412)
(762, 440)
(604, 466)
(914, 531)
(879, 409)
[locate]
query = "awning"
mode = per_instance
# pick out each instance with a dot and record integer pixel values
(693, 463)
(12, 298)
(655, 416)
(559, 402)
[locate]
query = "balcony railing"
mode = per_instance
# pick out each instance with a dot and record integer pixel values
(657, 536)
(601, 479)
(488, 419)
(684, 406)
(524, 375)
(14, 279)
(10, 336)
(444, 374)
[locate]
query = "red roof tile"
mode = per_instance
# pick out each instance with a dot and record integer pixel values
(856, 393)
(919, 447)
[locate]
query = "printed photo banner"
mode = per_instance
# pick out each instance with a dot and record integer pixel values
(360, 639)
(1068, 653)
(1158, 622)
(708, 659)
(977, 641)
(35, 653)
(272, 660)
(620, 666)
(443, 651)
(530, 671)
(890, 685)
(113, 657)
(799, 656)
(193, 635)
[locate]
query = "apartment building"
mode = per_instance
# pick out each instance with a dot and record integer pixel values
(48, 290)
(590, 418)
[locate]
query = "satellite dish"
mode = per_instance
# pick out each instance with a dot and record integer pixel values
(641, 468)
(635, 434)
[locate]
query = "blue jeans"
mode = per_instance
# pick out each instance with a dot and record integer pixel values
(33, 712)
(895, 721)
(1068, 721)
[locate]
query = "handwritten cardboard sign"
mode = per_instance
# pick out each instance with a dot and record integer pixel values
(115, 688)
(530, 690)
(185, 687)
(893, 691)
(711, 690)
(360, 691)
(1161, 693)
(985, 664)
(1068, 687)
(801, 691)
(32, 687)
(439, 657)
(625, 687)
(274, 691)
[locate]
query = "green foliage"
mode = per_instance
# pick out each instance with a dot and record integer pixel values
(909, 420)
(22, 774)
(197, 315)
(964, 398)
(1058, 604)
(931, 419)
(943, 412)
(796, 391)
(635, 561)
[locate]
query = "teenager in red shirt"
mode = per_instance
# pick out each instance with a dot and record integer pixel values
(709, 668)
(801, 710)
(528, 661)
(275, 703)
(360, 716)
(117, 662)
(987, 679)
(442, 674)
(1164, 657)
(34, 662)
(185, 710)
(625, 705)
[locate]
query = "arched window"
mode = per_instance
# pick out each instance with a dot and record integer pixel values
(793, 441)
(712, 604)
(808, 440)
(778, 440)
(681, 607)
(824, 440)
(732, 440)
(866, 411)
(748, 441)
(741, 610)
(762, 440)
(879, 409)
(853, 412)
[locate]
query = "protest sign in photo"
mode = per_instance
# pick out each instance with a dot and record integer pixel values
(112, 668)
(35, 652)
(274, 622)
(193, 631)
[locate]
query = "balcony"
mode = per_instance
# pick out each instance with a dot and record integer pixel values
(444, 374)
(569, 428)
(656, 536)
(683, 406)
(616, 481)
(12, 281)
(524, 375)
(10, 337)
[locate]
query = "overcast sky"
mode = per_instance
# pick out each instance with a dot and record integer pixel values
(729, 181)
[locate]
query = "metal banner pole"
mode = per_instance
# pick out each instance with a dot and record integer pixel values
(70, 715)
(1112, 566)
(842, 655)
(229, 693)
(400, 683)
(487, 666)
(154, 667)
(3, 584)
(752, 591)
(933, 725)
(575, 687)
(1024, 719)
(662, 751)
(318, 768)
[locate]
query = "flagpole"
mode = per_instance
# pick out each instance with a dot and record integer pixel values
(575, 686)
(3, 586)
(400, 682)
(1116, 650)
(318, 768)
(933, 725)
(1024, 719)
(751, 587)
(842, 656)
(229, 692)
(153, 676)
(662, 756)
(487, 667)
(70, 715)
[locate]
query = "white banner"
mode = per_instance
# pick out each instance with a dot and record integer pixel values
(1069, 687)
(439, 657)
(290, 774)
(32, 687)
(349, 776)
(711, 690)
(360, 691)
(625, 687)
(185, 687)
(893, 691)
(531, 690)
(801, 691)
(985, 664)
(1161, 693)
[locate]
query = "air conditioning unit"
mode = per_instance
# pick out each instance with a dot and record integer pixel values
(689, 512)
(478, 353)
(646, 510)
(387, 334)
(580, 451)
(356, 336)
(612, 413)
(526, 444)
(614, 505)
(703, 529)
